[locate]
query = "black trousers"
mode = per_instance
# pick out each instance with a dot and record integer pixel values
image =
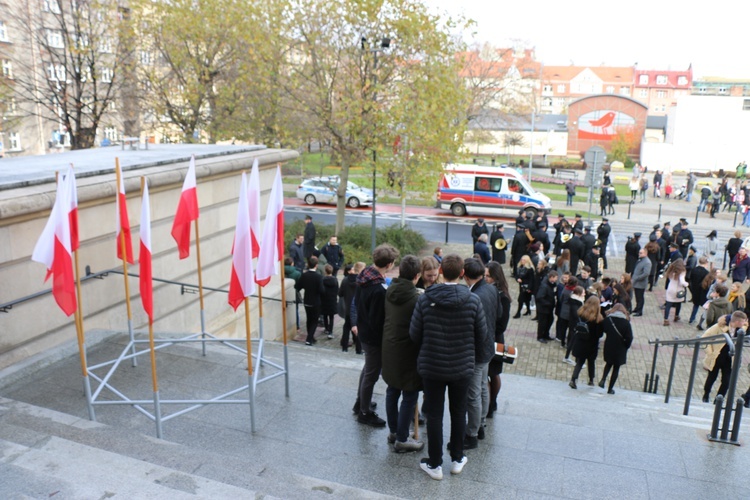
(639, 299)
(434, 408)
(312, 314)
(724, 365)
(544, 323)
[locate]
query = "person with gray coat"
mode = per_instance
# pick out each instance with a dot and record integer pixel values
(478, 402)
(449, 329)
(400, 356)
(639, 279)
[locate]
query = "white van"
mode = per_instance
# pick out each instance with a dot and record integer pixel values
(488, 190)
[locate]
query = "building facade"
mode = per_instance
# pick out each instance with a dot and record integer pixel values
(660, 89)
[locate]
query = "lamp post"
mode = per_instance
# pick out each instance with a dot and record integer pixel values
(385, 42)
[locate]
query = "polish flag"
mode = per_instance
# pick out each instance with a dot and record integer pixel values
(253, 196)
(123, 223)
(73, 210)
(144, 257)
(241, 284)
(53, 250)
(187, 212)
(272, 243)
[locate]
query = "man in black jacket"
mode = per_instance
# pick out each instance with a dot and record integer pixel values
(576, 247)
(546, 297)
(684, 238)
(334, 254)
(449, 327)
(309, 243)
(370, 302)
(559, 226)
(498, 255)
(603, 233)
(478, 401)
(478, 228)
(312, 283)
(631, 252)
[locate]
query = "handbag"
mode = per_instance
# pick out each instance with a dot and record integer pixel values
(682, 294)
(506, 353)
(618, 331)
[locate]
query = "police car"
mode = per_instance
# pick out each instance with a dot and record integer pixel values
(323, 190)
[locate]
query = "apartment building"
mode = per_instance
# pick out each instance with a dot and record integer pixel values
(562, 85)
(718, 86)
(660, 89)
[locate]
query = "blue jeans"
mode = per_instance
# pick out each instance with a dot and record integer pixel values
(570, 200)
(694, 313)
(689, 195)
(478, 399)
(668, 306)
(434, 407)
(702, 205)
(400, 419)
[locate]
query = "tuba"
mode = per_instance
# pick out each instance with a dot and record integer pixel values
(501, 243)
(566, 237)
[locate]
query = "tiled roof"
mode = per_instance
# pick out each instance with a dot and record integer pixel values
(672, 78)
(474, 66)
(608, 74)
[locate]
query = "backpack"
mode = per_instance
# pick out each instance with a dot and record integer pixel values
(582, 330)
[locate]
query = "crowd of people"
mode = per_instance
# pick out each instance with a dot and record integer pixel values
(436, 326)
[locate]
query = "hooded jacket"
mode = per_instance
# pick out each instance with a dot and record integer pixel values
(449, 328)
(716, 309)
(399, 352)
(370, 302)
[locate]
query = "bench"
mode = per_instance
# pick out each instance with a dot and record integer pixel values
(563, 173)
(133, 142)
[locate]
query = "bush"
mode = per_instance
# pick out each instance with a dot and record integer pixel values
(356, 240)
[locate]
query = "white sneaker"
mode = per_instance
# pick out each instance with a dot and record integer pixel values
(435, 473)
(457, 467)
(569, 361)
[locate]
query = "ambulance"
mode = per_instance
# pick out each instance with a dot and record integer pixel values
(472, 189)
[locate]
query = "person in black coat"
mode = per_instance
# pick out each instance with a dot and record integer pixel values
(589, 240)
(577, 248)
(495, 276)
(684, 238)
(616, 345)
(329, 299)
(498, 255)
(540, 236)
(333, 254)
(632, 247)
(559, 226)
(546, 299)
(592, 261)
(698, 294)
(297, 253)
(518, 247)
(309, 243)
(346, 292)
(603, 232)
(734, 244)
(525, 278)
(477, 229)
(312, 283)
(586, 348)
(481, 249)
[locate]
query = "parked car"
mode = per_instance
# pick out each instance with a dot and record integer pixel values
(323, 190)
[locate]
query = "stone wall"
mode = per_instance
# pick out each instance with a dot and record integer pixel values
(31, 328)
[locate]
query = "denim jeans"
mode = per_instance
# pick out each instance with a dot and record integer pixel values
(399, 420)
(702, 205)
(434, 408)
(569, 201)
(694, 312)
(668, 306)
(478, 399)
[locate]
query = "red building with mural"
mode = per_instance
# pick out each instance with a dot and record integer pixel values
(598, 119)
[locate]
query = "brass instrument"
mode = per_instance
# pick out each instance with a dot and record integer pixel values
(528, 235)
(500, 244)
(600, 267)
(566, 237)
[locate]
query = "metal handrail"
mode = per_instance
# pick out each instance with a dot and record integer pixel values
(184, 288)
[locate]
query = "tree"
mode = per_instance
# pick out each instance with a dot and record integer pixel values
(511, 140)
(360, 94)
(71, 76)
(191, 63)
(622, 145)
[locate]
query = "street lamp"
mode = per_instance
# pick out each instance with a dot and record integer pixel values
(385, 42)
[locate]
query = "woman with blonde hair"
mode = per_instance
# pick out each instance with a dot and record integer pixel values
(525, 278)
(586, 339)
(737, 297)
(563, 262)
(676, 291)
(430, 273)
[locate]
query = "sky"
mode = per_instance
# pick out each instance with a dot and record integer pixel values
(656, 34)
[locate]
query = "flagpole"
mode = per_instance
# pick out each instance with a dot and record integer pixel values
(200, 285)
(260, 327)
(283, 329)
(123, 252)
(250, 385)
(154, 379)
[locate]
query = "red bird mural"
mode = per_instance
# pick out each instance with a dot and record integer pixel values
(605, 121)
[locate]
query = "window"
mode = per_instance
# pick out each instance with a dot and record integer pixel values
(746, 105)
(55, 39)
(561, 88)
(105, 45)
(610, 89)
(7, 69)
(56, 72)
(643, 80)
(3, 32)
(145, 57)
(488, 184)
(547, 102)
(661, 94)
(643, 93)
(515, 186)
(701, 90)
(625, 91)
(722, 90)
(51, 6)
(110, 133)
(682, 80)
(661, 79)
(112, 105)
(547, 88)
(14, 139)
(81, 40)
(107, 75)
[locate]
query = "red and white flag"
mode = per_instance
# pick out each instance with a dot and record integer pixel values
(253, 196)
(187, 212)
(73, 209)
(241, 284)
(272, 243)
(123, 223)
(54, 251)
(144, 257)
